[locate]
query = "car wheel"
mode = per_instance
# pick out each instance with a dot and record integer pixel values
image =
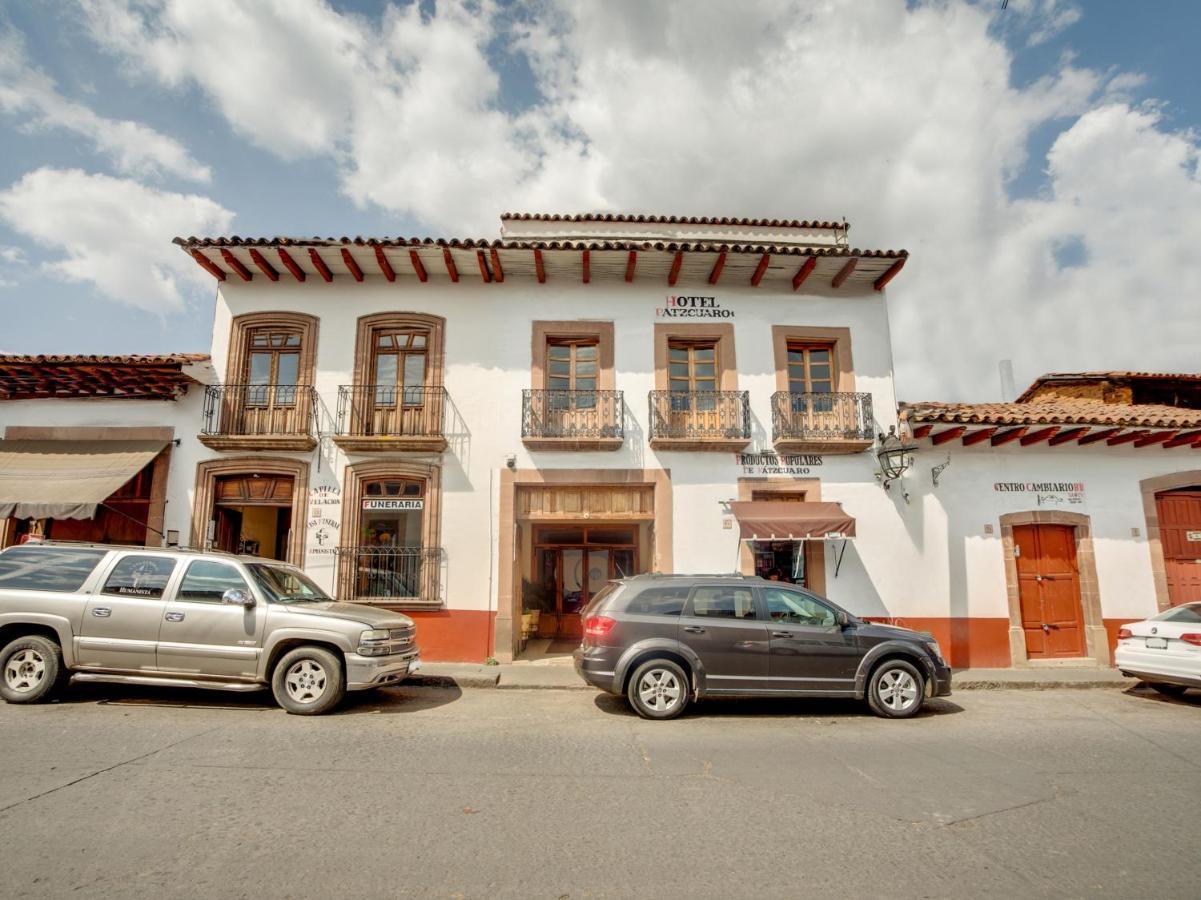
(896, 689)
(1168, 690)
(308, 681)
(659, 689)
(31, 670)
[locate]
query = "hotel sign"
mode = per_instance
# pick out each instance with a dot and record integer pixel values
(776, 464)
(378, 504)
(677, 307)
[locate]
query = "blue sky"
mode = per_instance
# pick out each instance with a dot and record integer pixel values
(986, 142)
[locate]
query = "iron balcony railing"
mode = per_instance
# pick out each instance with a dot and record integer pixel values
(389, 574)
(821, 416)
(388, 410)
(699, 415)
(571, 414)
(248, 410)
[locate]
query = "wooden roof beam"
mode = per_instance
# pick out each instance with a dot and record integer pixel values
(1067, 435)
(1124, 438)
(950, 434)
(322, 268)
(978, 437)
(236, 264)
(418, 267)
(631, 263)
(385, 267)
(889, 274)
(1184, 437)
(265, 267)
(804, 272)
(485, 272)
(674, 275)
(760, 269)
(1004, 437)
(498, 274)
(451, 269)
(585, 262)
(845, 272)
(208, 265)
(1099, 436)
(1155, 437)
(290, 264)
(539, 268)
(1035, 437)
(922, 430)
(717, 267)
(352, 265)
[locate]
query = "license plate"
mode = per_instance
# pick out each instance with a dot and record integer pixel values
(1157, 643)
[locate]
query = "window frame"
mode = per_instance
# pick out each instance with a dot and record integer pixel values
(806, 379)
(842, 368)
(808, 595)
(101, 589)
(689, 611)
(400, 388)
(178, 597)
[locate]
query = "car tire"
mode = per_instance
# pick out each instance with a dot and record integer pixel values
(1168, 690)
(308, 681)
(895, 689)
(31, 670)
(659, 689)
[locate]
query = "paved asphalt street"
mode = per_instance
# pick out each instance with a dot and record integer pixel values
(118, 792)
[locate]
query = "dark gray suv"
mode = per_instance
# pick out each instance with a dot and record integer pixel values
(663, 640)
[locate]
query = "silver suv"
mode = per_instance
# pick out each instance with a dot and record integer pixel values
(182, 618)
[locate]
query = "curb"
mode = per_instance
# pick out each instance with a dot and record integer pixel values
(497, 682)
(1038, 685)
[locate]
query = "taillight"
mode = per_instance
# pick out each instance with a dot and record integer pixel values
(1192, 638)
(598, 626)
(1124, 633)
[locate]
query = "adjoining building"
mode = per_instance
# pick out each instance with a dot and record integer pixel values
(1050, 521)
(87, 448)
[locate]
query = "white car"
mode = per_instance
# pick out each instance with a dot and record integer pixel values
(1164, 650)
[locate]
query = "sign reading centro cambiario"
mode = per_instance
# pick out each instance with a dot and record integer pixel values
(380, 504)
(693, 308)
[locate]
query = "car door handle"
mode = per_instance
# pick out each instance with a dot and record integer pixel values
(694, 629)
(781, 634)
(102, 612)
(174, 617)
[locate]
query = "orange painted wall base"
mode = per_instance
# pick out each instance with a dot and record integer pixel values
(453, 635)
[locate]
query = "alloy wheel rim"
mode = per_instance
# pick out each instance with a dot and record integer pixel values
(24, 671)
(305, 681)
(659, 689)
(897, 689)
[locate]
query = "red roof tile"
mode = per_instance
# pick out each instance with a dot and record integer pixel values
(134, 377)
(1061, 411)
(671, 220)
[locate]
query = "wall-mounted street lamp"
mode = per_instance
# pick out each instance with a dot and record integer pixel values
(894, 457)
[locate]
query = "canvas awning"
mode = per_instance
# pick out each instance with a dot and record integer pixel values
(766, 520)
(66, 479)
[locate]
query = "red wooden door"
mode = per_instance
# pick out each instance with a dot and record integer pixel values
(1180, 537)
(1049, 591)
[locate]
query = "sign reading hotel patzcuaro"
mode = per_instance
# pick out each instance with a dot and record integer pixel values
(378, 504)
(693, 308)
(775, 464)
(1047, 493)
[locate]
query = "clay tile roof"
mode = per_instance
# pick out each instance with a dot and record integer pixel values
(136, 377)
(1098, 377)
(670, 220)
(1060, 411)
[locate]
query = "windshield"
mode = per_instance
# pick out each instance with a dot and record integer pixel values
(1189, 613)
(285, 585)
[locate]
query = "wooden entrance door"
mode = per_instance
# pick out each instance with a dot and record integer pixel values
(1180, 537)
(1049, 591)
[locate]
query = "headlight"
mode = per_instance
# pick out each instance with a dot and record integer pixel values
(374, 643)
(377, 635)
(932, 646)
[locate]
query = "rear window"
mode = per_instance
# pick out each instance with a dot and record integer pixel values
(47, 568)
(660, 601)
(605, 594)
(1189, 614)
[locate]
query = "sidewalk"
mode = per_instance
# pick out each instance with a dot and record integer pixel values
(564, 678)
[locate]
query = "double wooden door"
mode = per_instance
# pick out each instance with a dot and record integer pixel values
(1049, 591)
(1180, 537)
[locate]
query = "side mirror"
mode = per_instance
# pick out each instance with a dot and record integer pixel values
(236, 597)
(843, 619)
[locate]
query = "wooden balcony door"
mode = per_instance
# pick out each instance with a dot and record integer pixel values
(692, 379)
(269, 401)
(810, 371)
(572, 368)
(398, 402)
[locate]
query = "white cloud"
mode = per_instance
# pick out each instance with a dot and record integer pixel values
(902, 117)
(135, 149)
(113, 233)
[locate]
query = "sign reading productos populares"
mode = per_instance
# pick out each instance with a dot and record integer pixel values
(775, 464)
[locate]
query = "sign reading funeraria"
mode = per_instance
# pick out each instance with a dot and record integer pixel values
(693, 308)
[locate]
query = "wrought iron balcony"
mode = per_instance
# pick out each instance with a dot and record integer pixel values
(259, 416)
(389, 575)
(572, 419)
(822, 422)
(389, 417)
(700, 420)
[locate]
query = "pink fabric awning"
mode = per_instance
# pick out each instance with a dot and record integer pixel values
(765, 520)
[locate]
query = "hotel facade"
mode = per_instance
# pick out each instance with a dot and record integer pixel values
(473, 431)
